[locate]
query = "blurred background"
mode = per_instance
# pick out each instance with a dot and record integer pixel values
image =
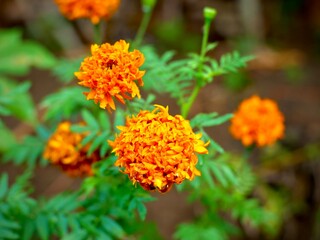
(284, 37)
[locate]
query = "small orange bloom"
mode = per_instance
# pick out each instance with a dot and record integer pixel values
(64, 150)
(93, 9)
(110, 73)
(157, 150)
(257, 121)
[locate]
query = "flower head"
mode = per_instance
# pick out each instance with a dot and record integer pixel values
(93, 9)
(157, 150)
(110, 73)
(257, 121)
(64, 149)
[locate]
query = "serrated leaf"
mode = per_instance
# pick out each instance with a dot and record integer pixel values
(200, 118)
(3, 185)
(8, 234)
(216, 146)
(229, 174)
(205, 173)
(112, 227)
(28, 230)
(18, 56)
(64, 103)
(89, 138)
(119, 118)
(62, 224)
(90, 119)
(218, 173)
(104, 121)
(42, 226)
(103, 236)
(16, 100)
(142, 210)
(4, 223)
(65, 69)
(76, 235)
(211, 46)
(104, 148)
(79, 128)
(97, 142)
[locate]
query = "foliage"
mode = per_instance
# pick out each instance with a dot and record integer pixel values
(233, 194)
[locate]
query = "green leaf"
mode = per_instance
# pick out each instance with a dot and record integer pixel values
(215, 146)
(112, 227)
(18, 56)
(215, 168)
(207, 176)
(142, 210)
(28, 230)
(103, 236)
(3, 185)
(8, 234)
(77, 235)
(65, 69)
(28, 151)
(97, 142)
(4, 223)
(119, 118)
(90, 119)
(104, 148)
(42, 226)
(89, 138)
(62, 224)
(65, 103)
(104, 121)
(211, 46)
(16, 100)
(209, 119)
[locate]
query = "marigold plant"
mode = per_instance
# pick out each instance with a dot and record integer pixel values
(95, 10)
(157, 150)
(64, 149)
(111, 72)
(257, 121)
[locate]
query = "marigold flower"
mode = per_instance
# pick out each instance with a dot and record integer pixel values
(93, 9)
(257, 121)
(64, 150)
(157, 150)
(110, 72)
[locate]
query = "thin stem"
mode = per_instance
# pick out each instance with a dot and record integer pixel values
(205, 39)
(186, 106)
(147, 12)
(97, 36)
(248, 151)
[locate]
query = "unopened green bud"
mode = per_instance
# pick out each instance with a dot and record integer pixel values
(209, 13)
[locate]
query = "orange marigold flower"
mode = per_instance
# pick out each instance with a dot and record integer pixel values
(64, 150)
(93, 9)
(157, 150)
(110, 72)
(257, 121)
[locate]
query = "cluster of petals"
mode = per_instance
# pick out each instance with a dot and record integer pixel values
(95, 10)
(157, 150)
(111, 72)
(64, 149)
(257, 121)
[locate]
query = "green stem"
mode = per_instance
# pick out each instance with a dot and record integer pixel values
(248, 151)
(97, 36)
(206, 30)
(186, 107)
(147, 12)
